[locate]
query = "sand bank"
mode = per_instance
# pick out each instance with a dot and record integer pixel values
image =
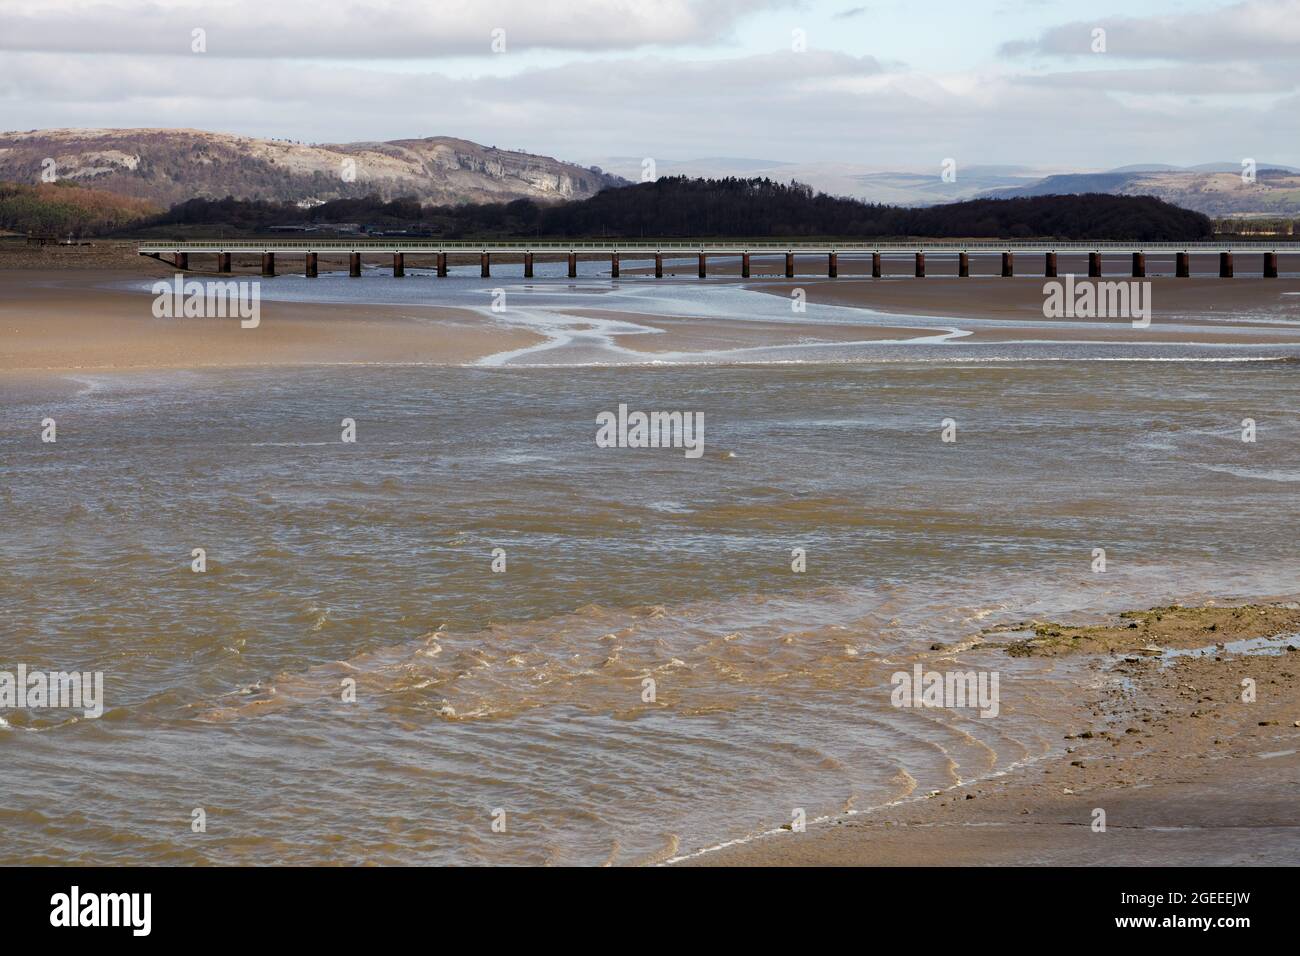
(58, 320)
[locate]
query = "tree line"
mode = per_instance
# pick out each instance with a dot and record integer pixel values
(679, 207)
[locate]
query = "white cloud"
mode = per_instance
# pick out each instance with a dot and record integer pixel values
(1177, 80)
(1254, 29)
(363, 28)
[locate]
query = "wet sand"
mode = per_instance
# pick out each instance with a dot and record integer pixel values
(1185, 770)
(60, 320)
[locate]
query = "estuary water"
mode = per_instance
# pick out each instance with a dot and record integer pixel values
(473, 615)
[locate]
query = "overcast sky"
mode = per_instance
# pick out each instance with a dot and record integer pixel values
(889, 83)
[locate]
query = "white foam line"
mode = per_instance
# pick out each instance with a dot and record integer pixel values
(828, 818)
(559, 330)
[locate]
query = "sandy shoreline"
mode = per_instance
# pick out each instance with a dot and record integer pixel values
(1185, 770)
(48, 322)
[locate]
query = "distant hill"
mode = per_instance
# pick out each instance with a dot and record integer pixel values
(166, 166)
(1215, 189)
(57, 209)
(699, 208)
(1145, 168)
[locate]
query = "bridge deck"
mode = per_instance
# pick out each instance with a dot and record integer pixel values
(713, 247)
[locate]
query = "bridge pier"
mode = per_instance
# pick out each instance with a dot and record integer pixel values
(223, 262)
(268, 263)
(399, 265)
(573, 265)
(613, 265)
(312, 267)
(1008, 265)
(528, 265)
(744, 265)
(182, 261)
(789, 265)
(1270, 265)
(963, 265)
(875, 265)
(1139, 265)
(1094, 265)
(702, 273)
(920, 265)
(1225, 265)
(833, 266)
(484, 265)
(1049, 265)
(354, 265)
(1182, 265)
(659, 265)
(442, 265)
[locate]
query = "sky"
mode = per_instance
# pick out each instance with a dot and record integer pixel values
(889, 84)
